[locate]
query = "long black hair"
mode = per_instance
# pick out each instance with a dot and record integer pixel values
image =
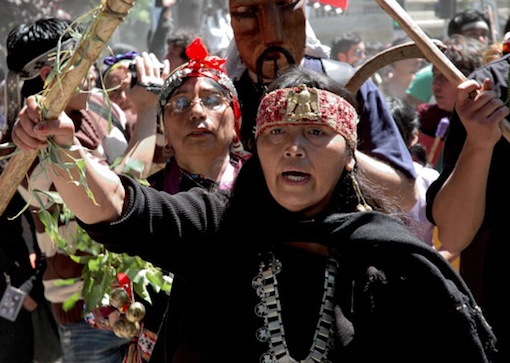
(27, 41)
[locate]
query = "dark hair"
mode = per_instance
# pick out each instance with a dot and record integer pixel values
(344, 42)
(181, 38)
(408, 123)
(465, 17)
(465, 53)
(27, 41)
(405, 116)
(295, 76)
(346, 198)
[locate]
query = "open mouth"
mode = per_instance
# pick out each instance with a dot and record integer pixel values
(295, 176)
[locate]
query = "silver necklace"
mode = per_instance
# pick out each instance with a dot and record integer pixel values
(269, 309)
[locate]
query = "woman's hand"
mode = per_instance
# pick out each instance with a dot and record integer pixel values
(30, 132)
(151, 73)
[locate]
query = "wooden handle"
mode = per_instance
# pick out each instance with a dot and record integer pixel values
(430, 51)
(57, 96)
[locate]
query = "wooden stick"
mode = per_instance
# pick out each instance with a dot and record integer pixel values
(111, 14)
(440, 61)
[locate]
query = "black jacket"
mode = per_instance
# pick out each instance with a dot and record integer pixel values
(396, 299)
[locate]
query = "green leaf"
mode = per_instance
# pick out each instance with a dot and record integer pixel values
(69, 303)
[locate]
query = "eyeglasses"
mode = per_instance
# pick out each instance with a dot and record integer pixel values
(181, 104)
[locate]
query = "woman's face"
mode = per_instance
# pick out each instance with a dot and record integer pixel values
(199, 119)
(118, 81)
(302, 164)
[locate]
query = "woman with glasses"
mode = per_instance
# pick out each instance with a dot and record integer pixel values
(200, 117)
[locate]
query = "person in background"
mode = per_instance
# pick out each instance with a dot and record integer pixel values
(271, 36)
(162, 23)
(467, 55)
(117, 80)
(348, 48)
(374, 291)
(465, 201)
(176, 46)
(406, 117)
(398, 75)
(30, 58)
(200, 116)
(470, 23)
(17, 333)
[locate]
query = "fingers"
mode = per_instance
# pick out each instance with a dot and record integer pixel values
(149, 68)
(24, 133)
(30, 132)
(467, 90)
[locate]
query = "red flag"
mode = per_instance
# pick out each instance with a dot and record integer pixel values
(342, 4)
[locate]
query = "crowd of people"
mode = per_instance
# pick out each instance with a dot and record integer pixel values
(300, 221)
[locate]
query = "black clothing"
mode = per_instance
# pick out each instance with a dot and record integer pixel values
(16, 338)
(396, 299)
(483, 262)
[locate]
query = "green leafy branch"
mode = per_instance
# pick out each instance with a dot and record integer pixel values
(101, 267)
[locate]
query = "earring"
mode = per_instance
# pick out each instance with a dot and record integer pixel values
(362, 203)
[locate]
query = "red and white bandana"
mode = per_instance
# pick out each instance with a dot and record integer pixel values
(311, 106)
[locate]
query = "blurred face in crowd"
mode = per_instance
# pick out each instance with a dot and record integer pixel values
(174, 55)
(268, 29)
(478, 30)
(118, 82)
(198, 118)
(444, 91)
(355, 56)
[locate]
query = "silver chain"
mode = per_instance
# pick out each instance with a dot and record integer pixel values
(269, 308)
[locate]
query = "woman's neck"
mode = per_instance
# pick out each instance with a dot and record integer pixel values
(211, 167)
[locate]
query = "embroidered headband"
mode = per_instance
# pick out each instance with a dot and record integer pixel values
(12, 95)
(201, 64)
(310, 106)
(114, 61)
(480, 24)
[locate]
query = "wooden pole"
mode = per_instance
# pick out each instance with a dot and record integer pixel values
(431, 52)
(57, 96)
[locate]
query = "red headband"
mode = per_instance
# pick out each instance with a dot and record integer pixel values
(201, 64)
(311, 106)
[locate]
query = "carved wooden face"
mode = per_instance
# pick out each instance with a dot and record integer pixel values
(269, 29)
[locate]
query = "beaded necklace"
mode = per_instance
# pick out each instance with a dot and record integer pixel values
(269, 308)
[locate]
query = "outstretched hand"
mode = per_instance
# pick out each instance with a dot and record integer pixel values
(481, 111)
(30, 133)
